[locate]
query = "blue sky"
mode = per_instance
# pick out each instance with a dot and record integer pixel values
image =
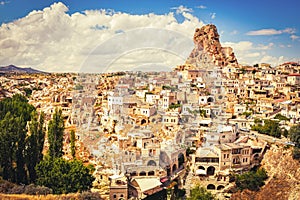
(258, 30)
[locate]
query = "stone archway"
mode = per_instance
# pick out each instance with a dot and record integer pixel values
(211, 187)
(210, 99)
(201, 167)
(142, 173)
(220, 187)
(151, 163)
(174, 168)
(210, 171)
(151, 173)
(181, 160)
(133, 173)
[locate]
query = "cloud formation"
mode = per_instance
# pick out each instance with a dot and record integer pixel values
(53, 40)
(271, 31)
(213, 15)
(2, 3)
(201, 7)
(182, 9)
(249, 53)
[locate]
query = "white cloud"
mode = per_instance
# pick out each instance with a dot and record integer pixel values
(271, 31)
(213, 15)
(249, 53)
(294, 37)
(234, 32)
(181, 9)
(201, 7)
(53, 40)
(2, 3)
(265, 47)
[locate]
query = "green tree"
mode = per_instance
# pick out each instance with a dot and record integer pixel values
(55, 134)
(200, 193)
(270, 127)
(35, 144)
(64, 176)
(14, 115)
(72, 144)
(252, 180)
(294, 135)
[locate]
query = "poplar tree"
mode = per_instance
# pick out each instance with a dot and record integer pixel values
(55, 134)
(72, 144)
(35, 144)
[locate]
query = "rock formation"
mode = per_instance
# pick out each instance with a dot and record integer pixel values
(208, 50)
(284, 177)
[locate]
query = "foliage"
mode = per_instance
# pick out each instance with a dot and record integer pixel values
(296, 153)
(63, 176)
(200, 193)
(78, 87)
(294, 135)
(168, 87)
(270, 127)
(251, 180)
(37, 190)
(56, 129)
(72, 143)
(35, 144)
(281, 117)
(174, 106)
(15, 112)
(28, 91)
(7, 187)
(89, 196)
(247, 114)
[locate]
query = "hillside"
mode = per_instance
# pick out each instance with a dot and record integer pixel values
(284, 177)
(19, 70)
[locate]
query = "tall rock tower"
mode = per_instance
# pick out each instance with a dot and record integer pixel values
(208, 50)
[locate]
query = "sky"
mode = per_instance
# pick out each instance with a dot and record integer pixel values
(111, 35)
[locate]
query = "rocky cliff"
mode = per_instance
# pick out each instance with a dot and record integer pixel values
(208, 49)
(284, 177)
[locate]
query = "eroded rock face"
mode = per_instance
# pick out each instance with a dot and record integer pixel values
(208, 49)
(284, 177)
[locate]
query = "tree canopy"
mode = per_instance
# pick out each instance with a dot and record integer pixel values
(55, 134)
(15, 144)
(294, 135)
(200, 193)
(270, 127)
(252, 180)
(64, 176)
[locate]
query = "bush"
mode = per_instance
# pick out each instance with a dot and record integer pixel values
(6, 186)
(201, 193)
(18, 189)
(37, 190)
(296, 153)
(89, 196)
(251, 180)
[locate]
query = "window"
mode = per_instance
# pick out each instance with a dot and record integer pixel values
(115, 196)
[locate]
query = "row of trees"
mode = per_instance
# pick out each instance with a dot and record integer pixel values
(19, 151)
(22, 135)
(270, 127)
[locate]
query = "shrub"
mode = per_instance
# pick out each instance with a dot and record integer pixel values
(18, 189)
(89, 196)
(252, 180)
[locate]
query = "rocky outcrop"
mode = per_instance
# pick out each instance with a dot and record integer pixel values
(284, 177)
(208, 49)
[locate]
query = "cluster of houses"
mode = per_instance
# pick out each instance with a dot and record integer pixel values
(148, 133)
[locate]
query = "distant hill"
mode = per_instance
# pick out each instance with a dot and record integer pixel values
(19, 70)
